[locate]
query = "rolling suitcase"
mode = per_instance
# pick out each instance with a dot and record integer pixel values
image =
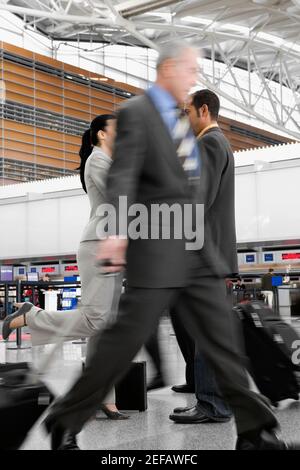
(131, 391)
(268, 343)
(23, 399)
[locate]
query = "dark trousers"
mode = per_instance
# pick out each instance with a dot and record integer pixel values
(197, 371)
(186, 345)
(153, 349)
(204, 306)
(209, 397)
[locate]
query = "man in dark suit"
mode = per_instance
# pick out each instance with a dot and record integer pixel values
(156, 161)
(216, 155)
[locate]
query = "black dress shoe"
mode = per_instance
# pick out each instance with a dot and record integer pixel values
(157, 382)
(195, 415)
(192, 416)
(265, 440)
(183, 409)
(185, 388)
(61, 438)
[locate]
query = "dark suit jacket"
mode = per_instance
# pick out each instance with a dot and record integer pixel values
(147, 170)
(216, 192)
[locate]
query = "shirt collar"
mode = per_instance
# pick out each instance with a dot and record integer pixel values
(162, 99)
(100, 153)
(211, 126)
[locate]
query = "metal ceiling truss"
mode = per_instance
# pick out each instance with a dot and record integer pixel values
(260, 37)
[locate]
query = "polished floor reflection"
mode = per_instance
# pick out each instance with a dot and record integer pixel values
(149, 430)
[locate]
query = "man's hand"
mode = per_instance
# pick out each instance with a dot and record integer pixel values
(111, 254)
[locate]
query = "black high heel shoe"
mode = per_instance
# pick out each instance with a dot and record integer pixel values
(6, 329)
(113, 414)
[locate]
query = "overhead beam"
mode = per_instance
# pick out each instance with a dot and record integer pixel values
(208, 84)
(56, 16)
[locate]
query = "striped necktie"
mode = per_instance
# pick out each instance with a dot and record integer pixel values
(186, 145)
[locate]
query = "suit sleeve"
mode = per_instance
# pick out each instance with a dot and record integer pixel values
(128, 156)
(216, 160)
(98, 173)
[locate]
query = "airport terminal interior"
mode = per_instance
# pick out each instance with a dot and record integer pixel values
(64, 62)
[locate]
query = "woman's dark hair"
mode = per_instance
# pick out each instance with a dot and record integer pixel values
(89, 139)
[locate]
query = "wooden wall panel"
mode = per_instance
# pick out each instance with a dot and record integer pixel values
(49, 144)
(41, 158)
(96, 111)
(48, 106)
(19, 98)
(18, 70)
(46, 96)
(49, 88)
(19, 89)
(50, 152)
(19, 146)
(48, 60)
(17, 50)
(75, 104)
(71, 148)
(73, 139)
(77, 97)
(18, 127)
(75, 111)
(48, 161)
(11, 77)
(98, 96)
(21, 156)
(23, 138)
(72, 165)
(240, 141)
(99, 103)
(54, 135)
(18, 136)
(46, 78)
(76, 87)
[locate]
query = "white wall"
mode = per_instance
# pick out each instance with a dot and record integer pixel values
(267, 204)
(42, 228)
(264, 155)
(267, 194)
(42, 223)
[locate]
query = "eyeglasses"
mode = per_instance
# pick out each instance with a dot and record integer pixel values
(185, 111)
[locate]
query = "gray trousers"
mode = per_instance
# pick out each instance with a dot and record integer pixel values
(99, 305)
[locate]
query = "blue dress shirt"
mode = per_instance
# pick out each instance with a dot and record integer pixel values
(167, 107)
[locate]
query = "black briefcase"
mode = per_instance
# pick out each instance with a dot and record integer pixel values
(23, 398)
(131, 392)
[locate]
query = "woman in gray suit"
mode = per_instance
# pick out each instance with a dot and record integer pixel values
(99, 294)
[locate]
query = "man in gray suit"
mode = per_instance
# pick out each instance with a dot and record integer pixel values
(156, 161)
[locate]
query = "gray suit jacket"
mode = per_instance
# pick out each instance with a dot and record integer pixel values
(95, 176)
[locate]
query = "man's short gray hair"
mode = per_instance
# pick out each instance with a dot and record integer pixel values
(171, 50)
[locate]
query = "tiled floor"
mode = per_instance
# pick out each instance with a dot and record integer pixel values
(147, 430)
